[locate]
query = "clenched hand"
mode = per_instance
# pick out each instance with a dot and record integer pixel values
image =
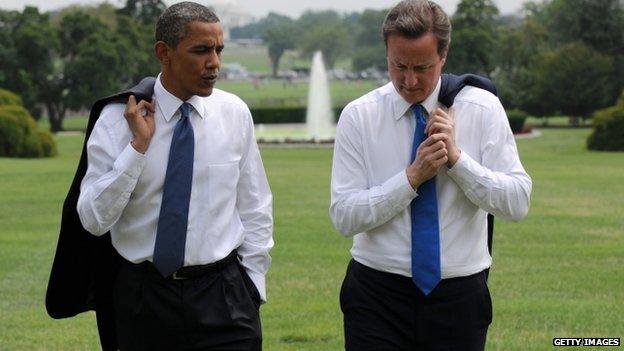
(140, 118)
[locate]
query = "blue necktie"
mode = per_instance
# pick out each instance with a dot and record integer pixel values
(425, 229)
(173, 219)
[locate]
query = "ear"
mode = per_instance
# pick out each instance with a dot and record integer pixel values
(163, 51)
(444, 54)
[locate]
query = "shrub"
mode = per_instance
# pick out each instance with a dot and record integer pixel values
(48, 144)
(608, 133)
(12, 135)
(516, 120)
(275, 115)
(19, 136)
(270, 115)
(9, 98)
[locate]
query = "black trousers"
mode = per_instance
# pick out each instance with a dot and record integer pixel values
(384, 311)
(216, 311)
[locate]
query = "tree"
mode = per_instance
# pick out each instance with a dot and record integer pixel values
(575, 78)
(332, 40)
(135, 44)
(68, 65)
(516, 52)
(96, 71)
(72, 85)
(473, 38)
(370, 51)
(279, 35)
(328, 32)
(599, 24)
(557, 62)
(145, 11)
(29, 55)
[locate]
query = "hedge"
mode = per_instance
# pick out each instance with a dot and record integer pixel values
(516, 120)
(275, 115)
(9, 98)
(19, 136)
(608, 133)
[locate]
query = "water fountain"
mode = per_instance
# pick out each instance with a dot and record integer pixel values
(319, 127)
(319, 115)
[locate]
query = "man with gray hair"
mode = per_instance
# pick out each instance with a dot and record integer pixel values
(412, 183)
(175, 176)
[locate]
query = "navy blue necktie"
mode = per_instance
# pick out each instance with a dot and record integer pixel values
(173, 219)
(425, 228)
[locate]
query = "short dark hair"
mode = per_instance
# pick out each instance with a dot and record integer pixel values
(415, 18)
(171, 25)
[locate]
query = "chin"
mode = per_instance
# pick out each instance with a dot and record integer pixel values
(204, 92)
(414, 98)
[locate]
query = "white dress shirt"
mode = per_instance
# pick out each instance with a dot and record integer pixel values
(371, 196)
(230, 205)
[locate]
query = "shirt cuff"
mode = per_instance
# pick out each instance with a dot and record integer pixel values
(259, 281)
(465, 171)
(130, 162)
(398, 191)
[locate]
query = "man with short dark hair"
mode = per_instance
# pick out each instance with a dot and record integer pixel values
(413, 183)
(179, 183)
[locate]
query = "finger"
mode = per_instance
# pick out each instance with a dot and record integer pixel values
(434, 118)
(441, 112)
(130, 106)
(131, 102)
(439, 127)
(433, 138)
(145, 108)
(149, 106)
(438, 145)
(440, 153)
(441, 161)
(152, 105)
(426, 151)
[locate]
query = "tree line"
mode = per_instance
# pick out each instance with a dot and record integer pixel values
(66, 60)
(557, 57)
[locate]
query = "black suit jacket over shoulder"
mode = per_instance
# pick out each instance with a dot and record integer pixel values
(85, 265)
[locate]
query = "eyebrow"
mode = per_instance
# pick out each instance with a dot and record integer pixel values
(421, 65)
(208, 46)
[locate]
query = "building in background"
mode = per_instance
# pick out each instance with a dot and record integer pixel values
(230, 14)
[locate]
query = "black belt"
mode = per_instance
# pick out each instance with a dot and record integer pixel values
(190, 272)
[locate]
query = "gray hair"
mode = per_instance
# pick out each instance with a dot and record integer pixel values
(415, 18)
(171, 25)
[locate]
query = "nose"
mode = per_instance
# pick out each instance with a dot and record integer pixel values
(411, 79)
(213, 60)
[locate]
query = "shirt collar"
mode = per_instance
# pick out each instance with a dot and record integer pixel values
(169, 104)
(401, 106)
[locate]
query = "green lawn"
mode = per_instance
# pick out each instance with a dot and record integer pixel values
(559, 273)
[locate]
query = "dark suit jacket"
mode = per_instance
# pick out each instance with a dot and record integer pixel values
(85, 266)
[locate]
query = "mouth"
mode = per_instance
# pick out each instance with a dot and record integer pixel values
(411, 90)
(210, 78)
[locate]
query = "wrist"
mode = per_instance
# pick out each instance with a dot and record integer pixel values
(140, 145)
(413, 179)
(453, 157)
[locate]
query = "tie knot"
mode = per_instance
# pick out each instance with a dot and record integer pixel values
(419, 110)
(419, 113)
(185, 109)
